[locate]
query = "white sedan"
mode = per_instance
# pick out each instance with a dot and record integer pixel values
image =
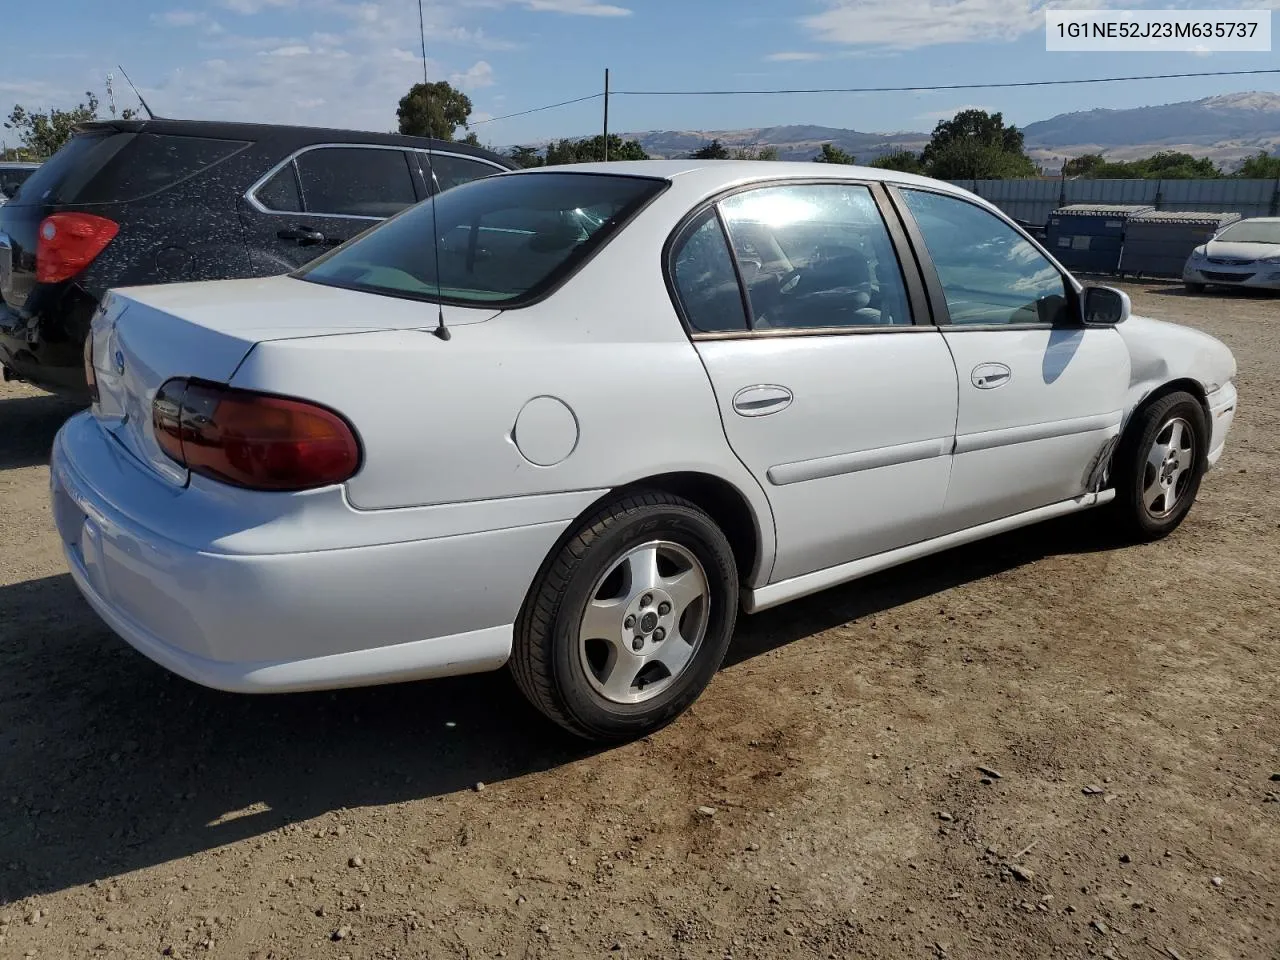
(613, 405)
(1245, 254)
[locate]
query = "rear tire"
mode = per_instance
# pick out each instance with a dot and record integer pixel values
(629, 619)
(1158, 467)
(1194, 287)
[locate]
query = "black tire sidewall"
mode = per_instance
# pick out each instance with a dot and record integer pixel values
(694, 531)
(1151, 423)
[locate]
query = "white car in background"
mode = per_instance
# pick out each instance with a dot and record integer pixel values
(611, 407)
(1245, 254)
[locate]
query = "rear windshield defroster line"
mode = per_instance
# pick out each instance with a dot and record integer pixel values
(504, 241)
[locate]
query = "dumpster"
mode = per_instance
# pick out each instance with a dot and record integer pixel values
(1157, 244)
(1088, 237)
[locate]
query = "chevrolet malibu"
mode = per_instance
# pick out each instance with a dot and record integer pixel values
(575, 419)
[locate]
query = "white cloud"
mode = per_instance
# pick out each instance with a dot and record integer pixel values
(249, 7)
(289, 50)
(478, 75)
(794, 56)
(583, 8)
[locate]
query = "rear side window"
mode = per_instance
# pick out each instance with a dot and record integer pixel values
(705, 280)
(355, 181)
(154, 162)
(281, 193)
(11, 178)
(503, 240)
(61, 176)
(452, 171)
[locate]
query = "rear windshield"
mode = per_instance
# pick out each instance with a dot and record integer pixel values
(503, 240)
(62, 174)
(1246, 232)
(107, 166)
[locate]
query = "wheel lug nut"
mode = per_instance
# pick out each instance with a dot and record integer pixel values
(630, 622)
(637, 644)
(664, 609)
(646, 600)
(659, 635)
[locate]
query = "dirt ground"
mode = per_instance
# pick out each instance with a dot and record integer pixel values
(1129, 698)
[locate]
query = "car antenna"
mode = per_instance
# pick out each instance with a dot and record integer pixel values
(433, 187)
(151, 114)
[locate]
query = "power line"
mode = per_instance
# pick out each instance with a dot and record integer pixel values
(948, 86)
(525, 113)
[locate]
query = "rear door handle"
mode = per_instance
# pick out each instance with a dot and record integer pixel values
(306, 236)
(761, 400)
(988, 376)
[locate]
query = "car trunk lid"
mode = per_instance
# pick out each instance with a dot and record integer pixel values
(145, 336)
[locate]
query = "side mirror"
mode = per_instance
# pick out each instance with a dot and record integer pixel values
(1106, 305)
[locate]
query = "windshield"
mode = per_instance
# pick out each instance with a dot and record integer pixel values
(1251, 231)
(503, 240)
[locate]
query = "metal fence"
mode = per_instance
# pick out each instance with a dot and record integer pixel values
(1033, 200)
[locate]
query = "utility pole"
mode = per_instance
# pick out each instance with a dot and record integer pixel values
(606, 114)
(111, 95)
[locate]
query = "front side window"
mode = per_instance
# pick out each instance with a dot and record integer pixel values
(502, 240)
(355, 181)
(816, 256)
(704, 278)
(990, 274)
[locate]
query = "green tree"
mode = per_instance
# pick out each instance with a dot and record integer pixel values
(525, 157)
(433, 110)
(43, 133)
(1083, 166)
(755, 153)
(903, 161)
(1166, 165)
(976, 145)
(833, 154)
(591, 150)
(471, 139)
(715, 150)
(1260, 167)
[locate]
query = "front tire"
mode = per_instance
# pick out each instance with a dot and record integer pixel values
(629, 620)
(1159, 465)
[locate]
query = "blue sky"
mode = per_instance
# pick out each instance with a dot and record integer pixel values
(347, 62)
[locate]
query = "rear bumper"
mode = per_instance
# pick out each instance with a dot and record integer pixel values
(282, 621)
(1257, 277)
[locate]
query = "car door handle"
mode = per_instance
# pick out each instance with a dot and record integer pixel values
(988, 376)
(761, 400)
(306, 236)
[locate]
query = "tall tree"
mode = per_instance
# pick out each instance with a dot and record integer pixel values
(978, 145)
(433, 110)
(591, 150)
(1083, 166)
(715, 150)
(833, 154)
(525, 157)
(43, 133)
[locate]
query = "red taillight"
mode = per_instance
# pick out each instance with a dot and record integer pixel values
(253, 440)
(90, 377)
(69, 242)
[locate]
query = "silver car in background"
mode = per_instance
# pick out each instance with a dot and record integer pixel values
(1245, 254)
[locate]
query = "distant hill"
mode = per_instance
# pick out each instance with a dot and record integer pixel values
(1224, 128)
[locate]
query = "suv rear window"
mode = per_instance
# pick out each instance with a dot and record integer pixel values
(59, 177)
(504, 240)
(154, 162)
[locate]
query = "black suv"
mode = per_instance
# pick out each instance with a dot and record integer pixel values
(125, 203)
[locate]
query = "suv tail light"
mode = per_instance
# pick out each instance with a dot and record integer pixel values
(253, 440)
(69, 242)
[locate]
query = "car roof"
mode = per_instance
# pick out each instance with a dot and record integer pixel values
(1258, 220)
(705, 176)
(289, 135)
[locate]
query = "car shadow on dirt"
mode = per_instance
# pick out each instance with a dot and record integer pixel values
(28, 425)
(111, 764)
